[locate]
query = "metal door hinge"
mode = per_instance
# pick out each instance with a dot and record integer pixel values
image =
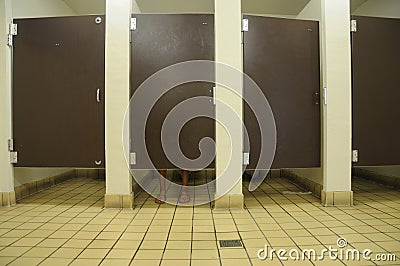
(132, 158)
(246, 158)
(245, 24)
(10, 144)
(13, 157)
(325, 95)
(133, 23)
(353, 25)
(10, 40)
(13, 29)
(354, 156)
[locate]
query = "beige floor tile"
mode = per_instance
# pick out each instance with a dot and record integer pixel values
(203, 223)
(275, 233)
(121, 254)
(69, 253)
(175, 263)
(289, 263)
(85, 262)
(386, 229)
(390, 246)
(132, 236)
(109, 235)
(27, 242)
(205, 254)
(204, 244)
(227, 228)
(77, 243)
(127, 244)
(139, 228)
(305, 240)
(42, 217)
(282, 242)
(63, 234)
(93, 227)
(153, 244)
(297, 232)
(179, 245)
(328, 262)
(40, 233)
(328, 240)
(115, 262)
(148, 254)
(51, 226)
(377, 237)
(39, 252)
(233, 253)
(72, 227)
(255, 243)
(17, 233)
(203, 236)
(5, 260)
(228, 236)
(54, 242)
(258, 262)
(173, 254)
(26, 261)
(230, 262)
(178, 228)
(13, 251)
(102, 243)
(141, 262)
(205, 262)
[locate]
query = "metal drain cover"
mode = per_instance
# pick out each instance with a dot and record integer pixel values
(230, 243)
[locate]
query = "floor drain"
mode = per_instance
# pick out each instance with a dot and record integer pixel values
(230, 243)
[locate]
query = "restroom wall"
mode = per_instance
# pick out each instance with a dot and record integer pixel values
(40, 8)
(379, 8)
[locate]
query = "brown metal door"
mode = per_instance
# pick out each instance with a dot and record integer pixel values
(58, 72)
(282, 57)
(160, 41)
(376, 91)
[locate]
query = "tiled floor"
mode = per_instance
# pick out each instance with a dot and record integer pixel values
(67, 225)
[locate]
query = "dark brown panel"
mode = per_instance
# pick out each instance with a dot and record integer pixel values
(282, 57)
(58, 67)
(158, 42)
(376, 93)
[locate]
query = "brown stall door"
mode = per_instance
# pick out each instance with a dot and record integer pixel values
(58, 92)
(282, 57)
(376, 91)
(160, 41)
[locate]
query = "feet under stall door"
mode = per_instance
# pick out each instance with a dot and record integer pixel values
(158, 42)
